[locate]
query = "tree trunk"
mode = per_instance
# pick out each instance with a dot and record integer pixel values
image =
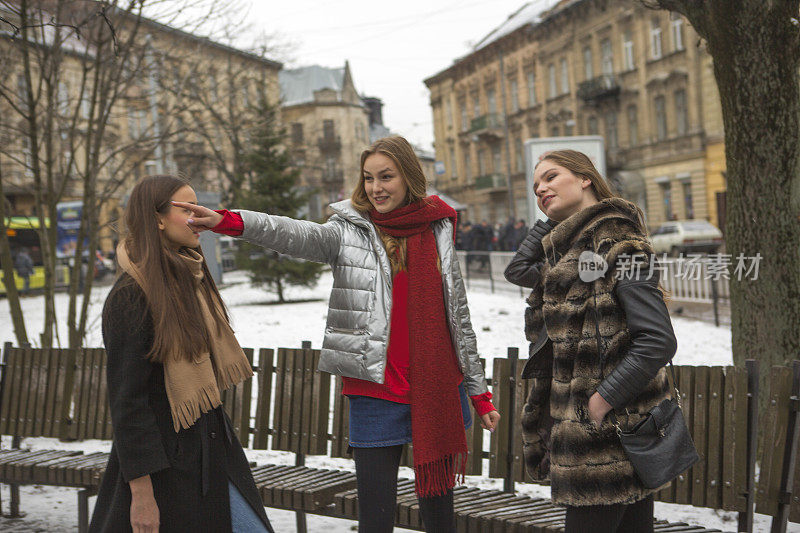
(279, 288)
(12, 295)
(756, 72)
(755, 46)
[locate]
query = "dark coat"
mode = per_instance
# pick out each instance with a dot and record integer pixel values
(565, 316)
(23, 264)
(189, 469)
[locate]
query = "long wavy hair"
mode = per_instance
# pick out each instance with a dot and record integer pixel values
(402, 154)
(169, 285)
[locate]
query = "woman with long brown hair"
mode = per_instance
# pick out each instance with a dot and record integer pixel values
(176, 463)
(398, 329)
(600, 336)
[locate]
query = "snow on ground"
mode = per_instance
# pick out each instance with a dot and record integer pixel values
(260, 322)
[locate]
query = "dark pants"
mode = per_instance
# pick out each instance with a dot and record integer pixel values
(376, 473)
(620, 518)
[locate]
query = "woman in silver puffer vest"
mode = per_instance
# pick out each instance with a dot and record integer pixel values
(398, 329)
(600, 336)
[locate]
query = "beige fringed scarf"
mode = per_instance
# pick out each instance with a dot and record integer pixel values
(193, 384)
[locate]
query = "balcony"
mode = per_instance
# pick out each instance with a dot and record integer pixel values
(329, 144)
(332, 176)
(491, 182)
(599, 88)
(489, 126)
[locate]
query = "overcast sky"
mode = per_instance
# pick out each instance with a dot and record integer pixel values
(392, 46)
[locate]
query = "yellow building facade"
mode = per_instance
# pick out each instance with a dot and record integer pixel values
(635, 76)
(181, 93)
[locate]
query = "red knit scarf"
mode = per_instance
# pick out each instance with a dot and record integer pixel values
(437, 425)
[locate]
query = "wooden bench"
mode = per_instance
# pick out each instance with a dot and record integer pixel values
(60, 393)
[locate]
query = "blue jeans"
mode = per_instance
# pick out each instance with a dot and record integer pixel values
(243, 518)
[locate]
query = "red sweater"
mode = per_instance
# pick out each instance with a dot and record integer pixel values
(395, 387)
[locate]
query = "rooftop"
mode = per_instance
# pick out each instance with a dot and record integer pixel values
(298, 85)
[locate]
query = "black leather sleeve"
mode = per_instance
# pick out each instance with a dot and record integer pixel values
(524, 268)
(652, 342)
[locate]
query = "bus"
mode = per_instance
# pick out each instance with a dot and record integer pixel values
(22, 233)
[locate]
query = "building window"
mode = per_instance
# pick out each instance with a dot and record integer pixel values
(607, 57)
(627, 50)
(588, 72)
(245, 94)
(655, 38)
(62, 98)
(531, 89)
(687, 198)
(666, 194)
(448, 113)
(327, 129)
(453, 170)
(611, 130)
(633, 126)
(467, 164)
(520, 155)
(214, 87)
(464, 117)
(491, 98)
(330, 166)
(136, 123)
(661, 118)
(28, 155)
(564, 77)
(297, 133)
(497, 160)
(555, 131)
(569, 127)
(476, 106)
(514, 96)
(591, 125)
(681, 114)
(22, 91)
(676, 26)
(86, 105)
(552, 87)
(482, 162)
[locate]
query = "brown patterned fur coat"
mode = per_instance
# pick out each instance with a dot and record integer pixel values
(586, 463)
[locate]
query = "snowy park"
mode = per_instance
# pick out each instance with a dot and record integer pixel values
(259, 322)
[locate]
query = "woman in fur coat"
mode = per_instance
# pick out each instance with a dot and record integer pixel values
(600, 336)
(398, 328)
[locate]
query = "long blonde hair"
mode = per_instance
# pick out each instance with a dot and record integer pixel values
(579, 164)
(402, 154)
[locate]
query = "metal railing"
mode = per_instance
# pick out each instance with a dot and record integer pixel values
(689, 280)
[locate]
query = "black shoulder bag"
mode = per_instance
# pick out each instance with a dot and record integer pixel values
(659, 446)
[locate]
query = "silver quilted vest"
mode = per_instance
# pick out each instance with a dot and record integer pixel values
(359, 310)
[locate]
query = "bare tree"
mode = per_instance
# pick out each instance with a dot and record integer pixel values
(73, 71)
(755, 46)
(221, 86)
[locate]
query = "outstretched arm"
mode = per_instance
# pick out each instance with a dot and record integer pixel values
(298, 238)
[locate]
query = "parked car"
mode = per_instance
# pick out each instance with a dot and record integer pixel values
(686, 236)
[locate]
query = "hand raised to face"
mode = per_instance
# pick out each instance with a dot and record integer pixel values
(202, 218)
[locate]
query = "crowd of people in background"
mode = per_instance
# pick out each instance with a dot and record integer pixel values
(485, 237)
